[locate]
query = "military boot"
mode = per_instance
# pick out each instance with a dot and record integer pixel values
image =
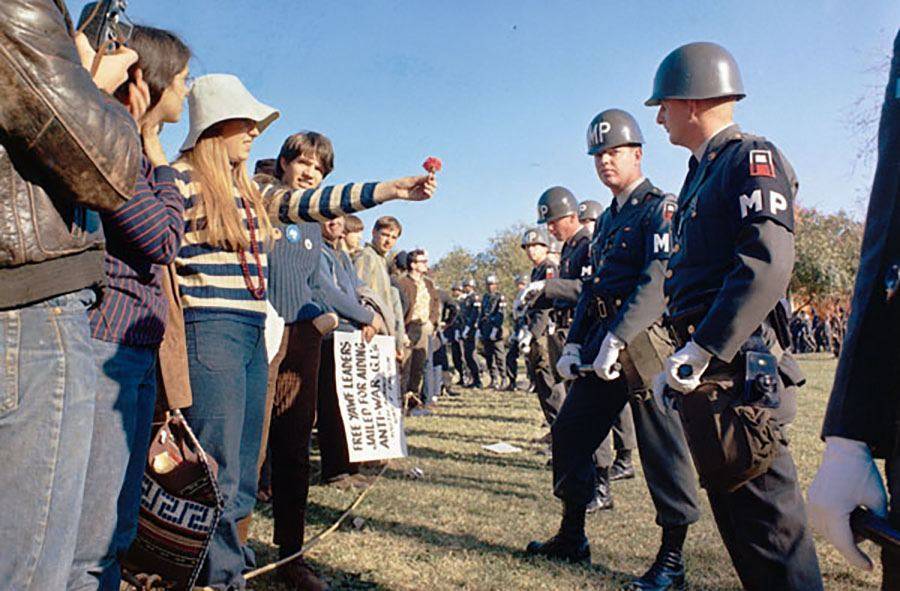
(623, 467)
(569, 543)
(667, 571)
(603, 495)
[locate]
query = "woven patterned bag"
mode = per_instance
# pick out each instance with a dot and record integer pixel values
(180, 507)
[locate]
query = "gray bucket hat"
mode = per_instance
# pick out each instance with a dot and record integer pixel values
(219, 97)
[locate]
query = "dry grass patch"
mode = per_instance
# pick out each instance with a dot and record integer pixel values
(465, 523)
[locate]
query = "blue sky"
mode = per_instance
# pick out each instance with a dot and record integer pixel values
(503, 91)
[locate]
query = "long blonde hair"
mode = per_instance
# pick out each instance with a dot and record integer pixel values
(215, 180)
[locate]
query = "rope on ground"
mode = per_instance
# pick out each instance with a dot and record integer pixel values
(321, 535)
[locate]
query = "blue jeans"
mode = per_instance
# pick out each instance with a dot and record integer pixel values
(46, 417)
(123, 413)
(228, 371)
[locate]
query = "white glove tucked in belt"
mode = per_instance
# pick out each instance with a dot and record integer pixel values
(532, 292)
(607, 357)
(693, 357)
(571, 356)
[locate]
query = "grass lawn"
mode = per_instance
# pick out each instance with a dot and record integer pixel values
(465, 523)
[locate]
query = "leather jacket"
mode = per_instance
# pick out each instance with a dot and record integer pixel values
(68, 151)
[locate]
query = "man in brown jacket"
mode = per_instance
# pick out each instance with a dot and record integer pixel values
(67, 150)
(421, 318)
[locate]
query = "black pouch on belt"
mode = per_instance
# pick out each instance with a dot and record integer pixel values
(760, 375)
(729, 423)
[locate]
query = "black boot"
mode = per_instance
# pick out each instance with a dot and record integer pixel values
(667, 571)
(569, 543)
(622, 467)
(603, 496)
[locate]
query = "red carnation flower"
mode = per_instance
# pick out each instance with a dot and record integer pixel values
(432, 164)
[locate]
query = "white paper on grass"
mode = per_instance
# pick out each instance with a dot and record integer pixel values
(502, 448)
(368, 389)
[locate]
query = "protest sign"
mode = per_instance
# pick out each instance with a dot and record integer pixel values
(368, 389)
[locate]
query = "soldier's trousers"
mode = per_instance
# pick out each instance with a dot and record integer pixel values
(494, 357)
(545, 378)
(622, 438)
(763, 523)
(557, 395)
(551, 404)
(511, 367)
(457, 356)
(471, 363)
(586, 419)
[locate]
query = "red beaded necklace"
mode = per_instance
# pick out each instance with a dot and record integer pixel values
(258, 292)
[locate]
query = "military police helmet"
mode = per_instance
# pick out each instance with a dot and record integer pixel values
(589, 211)
(613, 128)
(456, 287)
(537, 235)
(555, 203)
(469, 282)
(697, 71)
(521, 279)
(491, 280)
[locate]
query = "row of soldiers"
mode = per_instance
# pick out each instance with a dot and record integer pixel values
(673, 309)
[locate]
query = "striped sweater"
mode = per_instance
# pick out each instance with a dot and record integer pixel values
(210, 278)
(316, 205)
(141, 236)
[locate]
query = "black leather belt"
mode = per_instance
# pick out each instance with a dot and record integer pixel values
(682, 325)
(607, 307)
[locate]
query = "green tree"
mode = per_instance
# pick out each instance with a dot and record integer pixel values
(453, 267)
(503, 257)
(827, 247)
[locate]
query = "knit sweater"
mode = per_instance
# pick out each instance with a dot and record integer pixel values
(296, 254)
(210, 278)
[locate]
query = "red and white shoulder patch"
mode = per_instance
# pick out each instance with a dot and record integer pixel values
(761, 163)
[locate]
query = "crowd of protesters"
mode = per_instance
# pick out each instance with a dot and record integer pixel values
(165, 275)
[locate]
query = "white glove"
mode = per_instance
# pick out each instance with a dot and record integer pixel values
(466, 331)
(477, 334)
(847, 478)
(494, 335)
(607, 357)
(571, 355)
(525, 341)
(456, 335)
(695, 357)
(659, 393)
(532, 291)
